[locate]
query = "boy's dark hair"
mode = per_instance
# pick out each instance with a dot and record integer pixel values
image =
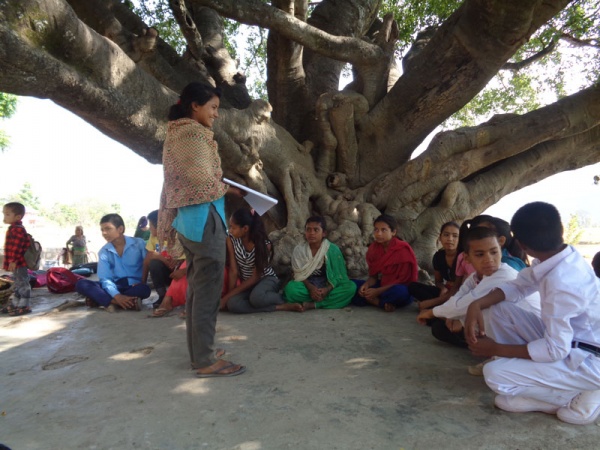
(16, 207)
(257, 234)
(317, 219)
(115, 219)
(194, 92)
(478, 233)
(596, 264)
(538, 226)
(388, 220)
(153, 218)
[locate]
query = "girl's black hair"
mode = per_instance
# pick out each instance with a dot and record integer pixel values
(257, 234)
(317, 219)
(389, 220)
(115, 219)
(142, 223)
(458, 248)
(194, 92)
(449, 224)
(502, 227)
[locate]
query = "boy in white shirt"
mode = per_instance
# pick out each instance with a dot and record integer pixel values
(550, 363)
(484, 252)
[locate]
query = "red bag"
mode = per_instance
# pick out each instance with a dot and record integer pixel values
(60, 280)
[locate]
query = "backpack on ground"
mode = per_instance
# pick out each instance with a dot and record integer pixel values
(33, 254)
(60, 280)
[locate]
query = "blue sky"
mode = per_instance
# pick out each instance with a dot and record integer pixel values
(65, 159)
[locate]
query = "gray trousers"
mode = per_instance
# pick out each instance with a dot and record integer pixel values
(261, 298)
(205, 273)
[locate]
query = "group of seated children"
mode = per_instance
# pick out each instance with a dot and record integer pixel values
(540, 325)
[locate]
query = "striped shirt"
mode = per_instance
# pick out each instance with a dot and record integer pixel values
(245, 260)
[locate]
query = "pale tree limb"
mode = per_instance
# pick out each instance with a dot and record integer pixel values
(218, 61)
(465, 52)
(456, 155)
(286, 79)
(254, 12)
(84, 72)
(515, 66)
(464, 199)
(114, 21)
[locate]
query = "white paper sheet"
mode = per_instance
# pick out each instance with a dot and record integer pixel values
(260, 202)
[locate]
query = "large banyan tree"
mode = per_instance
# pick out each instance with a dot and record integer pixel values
(345, 153)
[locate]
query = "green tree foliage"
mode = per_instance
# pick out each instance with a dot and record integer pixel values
(573, 231)
(561, 58)
(8, 106)
(25, 196)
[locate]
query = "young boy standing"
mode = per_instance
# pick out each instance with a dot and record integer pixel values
(15, 246)
(550, 363)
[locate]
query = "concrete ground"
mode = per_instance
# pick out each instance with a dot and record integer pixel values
(75, 378)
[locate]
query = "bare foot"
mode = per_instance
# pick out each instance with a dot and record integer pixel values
(289, 307)
(388, 307)
(308, 305)
(373, 301)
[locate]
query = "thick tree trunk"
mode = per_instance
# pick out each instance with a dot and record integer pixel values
(101, 62)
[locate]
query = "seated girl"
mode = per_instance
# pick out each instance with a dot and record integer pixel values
(161, 267)
(320, 277)
(392, 267)
(120, 265)
(175, 294)
(249, 253)
(444, 265)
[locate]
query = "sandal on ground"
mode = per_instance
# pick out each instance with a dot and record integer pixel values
(220, 372)
(7, 309)
(161, 312)
(20, 311)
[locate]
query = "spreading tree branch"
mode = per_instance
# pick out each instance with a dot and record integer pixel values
(516, 66)
(254, 12)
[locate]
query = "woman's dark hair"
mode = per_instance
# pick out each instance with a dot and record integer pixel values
(317, 219)
(115, 219)
(142, 223)
(194, 92)
(389, 220)
(257, 234)
(153, 218)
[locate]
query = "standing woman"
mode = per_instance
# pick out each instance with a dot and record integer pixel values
(79, 247)
(192, 216)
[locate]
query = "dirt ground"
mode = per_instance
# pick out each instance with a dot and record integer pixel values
(357, 378)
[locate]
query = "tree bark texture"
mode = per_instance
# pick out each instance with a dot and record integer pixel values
(345, 155)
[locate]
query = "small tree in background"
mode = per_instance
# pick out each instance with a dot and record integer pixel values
(573, 231)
